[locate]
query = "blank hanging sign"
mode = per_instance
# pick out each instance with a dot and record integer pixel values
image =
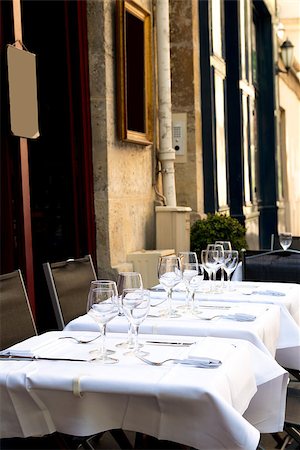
(22, 93)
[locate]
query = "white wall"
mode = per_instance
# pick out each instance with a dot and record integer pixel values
(291, 104)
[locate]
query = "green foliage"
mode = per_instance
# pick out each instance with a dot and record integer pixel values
(217, 227)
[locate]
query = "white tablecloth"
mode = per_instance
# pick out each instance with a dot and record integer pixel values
(262, 332)
(284, 294)
(201, 408)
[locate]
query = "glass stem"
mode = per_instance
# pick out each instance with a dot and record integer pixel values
(103, 338)
(210, 280)
(130, 336)
(136, 337)
(188, 297)
(222, 277)
(169, 296)
(192, 300)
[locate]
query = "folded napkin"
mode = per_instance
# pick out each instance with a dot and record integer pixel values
(30, 347)
(206, 350)
(200, 361)
(241, 317)
(270, 292)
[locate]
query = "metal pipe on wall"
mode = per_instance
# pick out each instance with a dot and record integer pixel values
(166, 153)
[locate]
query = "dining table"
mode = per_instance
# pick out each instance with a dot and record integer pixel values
(53, 383)
(266, 314)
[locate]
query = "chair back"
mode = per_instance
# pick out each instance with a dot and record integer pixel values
(279, 265)
(16, 319)
(275, 245)
(69, 283)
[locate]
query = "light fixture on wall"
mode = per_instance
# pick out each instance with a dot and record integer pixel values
(287, 56)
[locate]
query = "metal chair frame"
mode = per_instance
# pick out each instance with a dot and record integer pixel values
(76, 271)
(17, 321)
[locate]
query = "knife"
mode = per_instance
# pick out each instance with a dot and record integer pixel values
(170, 343)
(37, 358)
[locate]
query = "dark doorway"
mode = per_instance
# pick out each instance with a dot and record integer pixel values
(60, 160)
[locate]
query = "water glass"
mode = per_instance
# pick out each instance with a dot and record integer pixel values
(231, 259)
(102, 306)
(135, 304)
(169, 275)
(128, 280)
(285, 240)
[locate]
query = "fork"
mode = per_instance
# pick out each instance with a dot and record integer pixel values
(201, 362)
(208, 318)
(157, 304)
(80, 341)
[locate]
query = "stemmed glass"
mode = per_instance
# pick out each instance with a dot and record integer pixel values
(285, 240)
(169, 275)
(190, 269)
(195, 283)
(225, 244)
(231, 259)
(106, 284)
(211, 264)
(128, 280)
(135, 304)
(220, 249)
(102, 306)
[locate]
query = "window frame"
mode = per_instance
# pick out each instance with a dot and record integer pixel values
(143, 137)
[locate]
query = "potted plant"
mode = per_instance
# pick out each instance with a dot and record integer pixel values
(217, 227)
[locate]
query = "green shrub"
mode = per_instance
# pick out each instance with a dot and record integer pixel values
(217, 227)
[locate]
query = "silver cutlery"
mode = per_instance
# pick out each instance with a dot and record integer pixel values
(238, 317)
(170, 343)
(208, 318)
(37, 358)
(214, 307)
(157, 304)
(201, 362)
(80, 341)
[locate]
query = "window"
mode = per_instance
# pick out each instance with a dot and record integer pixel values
(134, 76)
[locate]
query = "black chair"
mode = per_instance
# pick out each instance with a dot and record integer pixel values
(275, 245)
(69, 283)
(292, 416)
(291, 427)
(277, 266)
(16, 319)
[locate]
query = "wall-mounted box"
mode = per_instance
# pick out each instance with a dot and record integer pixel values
(145, 262)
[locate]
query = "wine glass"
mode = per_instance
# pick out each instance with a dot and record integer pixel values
(135, 304)
(190, 269)
(211, 264)
(195, 284)
(220, 249)
(225, 244)
(285, 240)
(102, 306)
(108, 284)
(169, 275)
(231, 259)
(128, 280)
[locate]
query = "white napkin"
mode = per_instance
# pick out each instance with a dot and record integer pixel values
(208, 350)
(30, 347)
(241, 317)
(270, 292)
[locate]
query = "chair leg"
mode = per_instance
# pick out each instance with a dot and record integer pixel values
(278, 439)
(122, 440)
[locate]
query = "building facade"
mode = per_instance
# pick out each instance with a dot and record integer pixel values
(103, 169)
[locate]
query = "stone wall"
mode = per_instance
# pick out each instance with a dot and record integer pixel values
(123, 184)
(184, 34)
